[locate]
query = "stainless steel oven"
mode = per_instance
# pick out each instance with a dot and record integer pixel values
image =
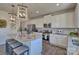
(45, 36)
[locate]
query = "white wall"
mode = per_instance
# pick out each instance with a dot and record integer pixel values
(61, 20)
(76, 21)
(4, 31)
(78, 14)
(39, 22)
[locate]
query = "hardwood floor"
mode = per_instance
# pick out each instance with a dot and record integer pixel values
(2, 50)
(52, 50)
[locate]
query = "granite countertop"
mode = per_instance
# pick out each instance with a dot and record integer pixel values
(37, 35)
(59, 34)
(25, 40)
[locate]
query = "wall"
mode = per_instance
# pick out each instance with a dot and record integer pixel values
(4, 31)
(77, 16)
(38, 21)
(60, 20)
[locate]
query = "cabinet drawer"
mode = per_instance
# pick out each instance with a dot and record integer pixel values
(70, 53)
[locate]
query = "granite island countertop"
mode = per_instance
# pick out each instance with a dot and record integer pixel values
(33, 36)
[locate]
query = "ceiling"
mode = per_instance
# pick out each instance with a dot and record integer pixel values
(38, 9)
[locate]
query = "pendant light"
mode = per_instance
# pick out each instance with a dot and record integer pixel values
(22, 16)
(12, 15)
(22, 11)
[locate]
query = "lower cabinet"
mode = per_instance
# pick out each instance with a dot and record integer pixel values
(72, 49)
(35, 46)
(58, 40)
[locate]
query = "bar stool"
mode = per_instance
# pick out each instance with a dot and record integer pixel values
(8, 42)
(22, 50)
(13, 46)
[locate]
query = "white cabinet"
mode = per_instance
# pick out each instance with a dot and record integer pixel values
(57, 21)
(35, 46)
(62, 21)
(70, 20)
(52, 39)
(47, 19)
(58, 40)
(53, 22)
(72, 49)
(65, 20)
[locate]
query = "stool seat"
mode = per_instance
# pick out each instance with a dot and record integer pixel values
(11, 42)
(10, 45)
(15, 45)
(8, 40)
(21, 50)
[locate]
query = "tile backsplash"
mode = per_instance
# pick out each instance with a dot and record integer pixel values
(60, 30)
(63, 30)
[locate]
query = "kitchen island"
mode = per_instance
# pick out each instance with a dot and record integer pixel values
(73, 45)
(34, 44)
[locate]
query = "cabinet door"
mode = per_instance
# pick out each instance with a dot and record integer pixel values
(61, 41)
(57, 21)
(70, 20)
(47, 19)
(65, 20)
(62, 21)
(52, 39)
(53, 21)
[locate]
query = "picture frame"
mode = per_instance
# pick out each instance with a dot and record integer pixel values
(3, 23)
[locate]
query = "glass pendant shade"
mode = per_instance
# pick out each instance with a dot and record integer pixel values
(22, 11)
(12, 17)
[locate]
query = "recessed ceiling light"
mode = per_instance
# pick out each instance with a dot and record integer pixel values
(57, 4)
(37, 12)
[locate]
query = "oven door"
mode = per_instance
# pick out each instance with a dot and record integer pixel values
(45, 37)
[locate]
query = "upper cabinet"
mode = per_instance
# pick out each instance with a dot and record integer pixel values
(64, 20)
(69, 17)
(76, 20)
